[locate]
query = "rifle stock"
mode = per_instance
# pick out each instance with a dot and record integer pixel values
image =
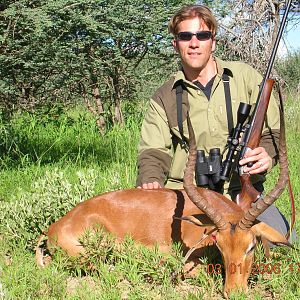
(251, 140)
(257, 122)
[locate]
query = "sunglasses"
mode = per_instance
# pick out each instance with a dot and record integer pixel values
(200, 35)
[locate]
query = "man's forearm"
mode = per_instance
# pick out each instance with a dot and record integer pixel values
(153, 165)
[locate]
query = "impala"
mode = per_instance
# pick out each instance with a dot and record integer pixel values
(157, 217)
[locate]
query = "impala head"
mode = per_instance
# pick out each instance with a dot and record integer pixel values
(237, 247)
(237, 231)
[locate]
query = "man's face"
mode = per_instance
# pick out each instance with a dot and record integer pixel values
(194, 54)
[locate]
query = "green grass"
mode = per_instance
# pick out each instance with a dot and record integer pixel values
(51, 162)
(30, 146)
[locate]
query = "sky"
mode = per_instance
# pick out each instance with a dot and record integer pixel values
(292, 39)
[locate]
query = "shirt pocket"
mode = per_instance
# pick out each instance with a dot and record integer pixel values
(221, 120)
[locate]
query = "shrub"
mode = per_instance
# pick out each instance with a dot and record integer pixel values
(289, 70)
(51, 197)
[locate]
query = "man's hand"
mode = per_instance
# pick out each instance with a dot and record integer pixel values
(261, 159)
(150, 186)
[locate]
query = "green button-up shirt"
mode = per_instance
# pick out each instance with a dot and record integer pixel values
(160, 160)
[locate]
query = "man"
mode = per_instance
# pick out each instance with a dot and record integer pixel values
(162, 155)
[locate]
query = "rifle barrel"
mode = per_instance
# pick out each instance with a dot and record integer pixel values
(278, 38)
(267, 74)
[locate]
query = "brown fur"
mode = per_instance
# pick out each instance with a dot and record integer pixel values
(153, 217)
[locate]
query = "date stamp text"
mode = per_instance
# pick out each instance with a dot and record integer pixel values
(259, 268)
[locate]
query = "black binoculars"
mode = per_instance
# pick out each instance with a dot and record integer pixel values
(208, 168)
(211, 172)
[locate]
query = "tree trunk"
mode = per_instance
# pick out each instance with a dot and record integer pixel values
(96, 109)
(118, 115)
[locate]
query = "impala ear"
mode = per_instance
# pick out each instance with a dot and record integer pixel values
(263, 230)
(192, 219)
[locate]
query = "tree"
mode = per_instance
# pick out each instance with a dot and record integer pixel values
(248, 29)
(107, 52)
(58, 51)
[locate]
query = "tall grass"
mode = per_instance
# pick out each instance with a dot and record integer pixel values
(67, 138)
(31, 145)
(51, 162)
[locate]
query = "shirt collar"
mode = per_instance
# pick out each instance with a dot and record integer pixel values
(221, 66)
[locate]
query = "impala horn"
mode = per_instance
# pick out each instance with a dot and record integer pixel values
(263, 203)
(190, 188)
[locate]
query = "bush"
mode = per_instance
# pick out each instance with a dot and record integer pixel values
(289, 70)
(51, 198)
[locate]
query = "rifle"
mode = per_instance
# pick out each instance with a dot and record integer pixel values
(252, 130)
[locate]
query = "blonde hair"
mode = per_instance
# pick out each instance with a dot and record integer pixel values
(193, 11)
